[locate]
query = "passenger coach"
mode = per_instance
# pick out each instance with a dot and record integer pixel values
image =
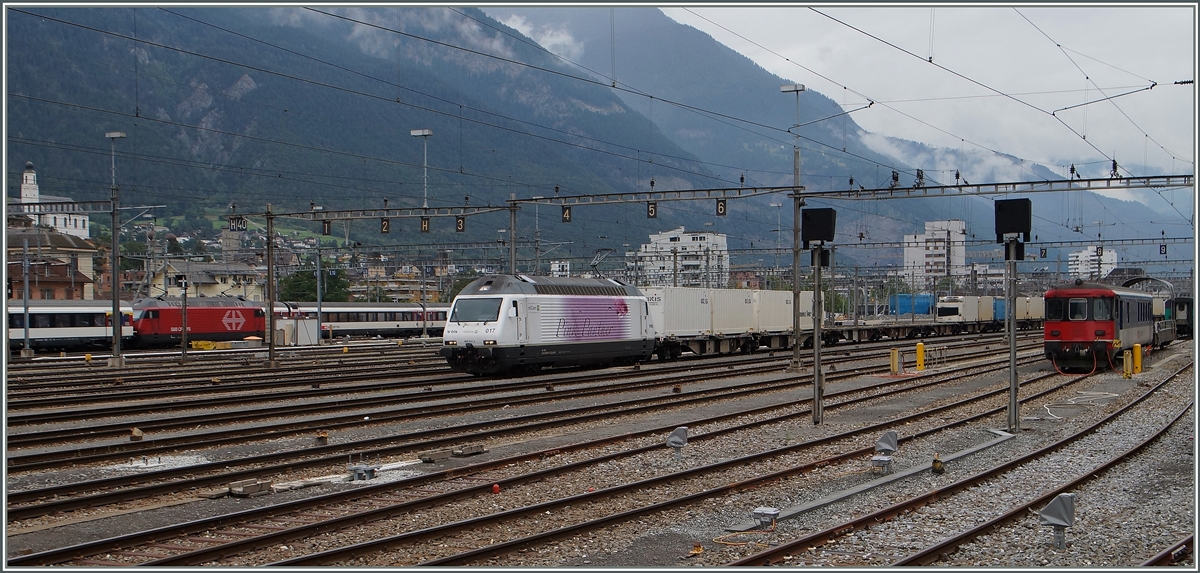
(500, 323)
(390, 319)
(66, 324)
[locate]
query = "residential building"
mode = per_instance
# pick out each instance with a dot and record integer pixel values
(937, 253)
(208, 279)
(1092, 262)
(60, 264)
(681, 258)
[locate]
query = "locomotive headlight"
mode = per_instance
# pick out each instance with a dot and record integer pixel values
(451, 342)
(1099, 332)
(489, 342)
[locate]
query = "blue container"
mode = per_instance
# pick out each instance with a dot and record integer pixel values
(911, 303)
(998, 309)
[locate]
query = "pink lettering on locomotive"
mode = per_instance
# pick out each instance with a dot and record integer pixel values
(594, 318)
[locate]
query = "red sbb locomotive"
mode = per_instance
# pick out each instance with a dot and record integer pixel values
(158, 322)
(1089, 326)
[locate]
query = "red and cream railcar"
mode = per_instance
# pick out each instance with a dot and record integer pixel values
(1087, 325)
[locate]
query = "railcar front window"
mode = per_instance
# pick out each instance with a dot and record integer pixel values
(1102, 309)
(1054, 309)
(1077, 309)
(475, 310)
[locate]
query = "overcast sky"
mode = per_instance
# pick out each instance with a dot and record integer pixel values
(999, 77)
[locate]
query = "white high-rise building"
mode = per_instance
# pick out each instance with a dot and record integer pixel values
(1090, 264)
(682, 258)
(70, 221)
(926, 255)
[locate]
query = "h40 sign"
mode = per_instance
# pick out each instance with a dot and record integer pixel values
(238, 223)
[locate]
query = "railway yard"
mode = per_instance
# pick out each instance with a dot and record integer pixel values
(373, 453)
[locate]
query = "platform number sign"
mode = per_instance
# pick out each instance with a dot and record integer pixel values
(326, 227)
(237, 223)
(721, 208)
(566, 215)
(1162, 249)
(652, 210)
(385, 225)
(1042, 254)
(460, 224)
(424, 224)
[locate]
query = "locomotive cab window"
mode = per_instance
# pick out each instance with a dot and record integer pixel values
(1102, 309)
(1054, 309)
(476, 310)
(1077, 309)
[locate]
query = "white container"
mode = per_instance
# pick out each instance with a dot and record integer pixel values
(680, 312)
(775, 311)
(733, 311)
(1029, 308)
(985, 309)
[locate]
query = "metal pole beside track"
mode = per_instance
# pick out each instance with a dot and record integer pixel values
(796, 203)
(271, 289)
(818, 408)
(117, 361)
(320, 279)
(183, 341)
(1014, 415)
(26, 352)
(512, 236)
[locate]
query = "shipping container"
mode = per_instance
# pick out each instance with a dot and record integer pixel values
(680, 312)
(733, 311)
(775, 311)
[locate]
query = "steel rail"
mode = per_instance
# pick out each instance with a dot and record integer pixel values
(780, 552)
(353, 551)
(73, 552)
(114, 451)
(933, 553)
(1173, 554)
(48, 502)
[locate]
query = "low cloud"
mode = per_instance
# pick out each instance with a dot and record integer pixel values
(555, 38)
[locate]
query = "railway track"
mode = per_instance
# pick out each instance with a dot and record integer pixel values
(481, 491)
(851, 543)
(507, 483)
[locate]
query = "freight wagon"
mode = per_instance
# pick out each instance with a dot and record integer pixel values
(722, 321)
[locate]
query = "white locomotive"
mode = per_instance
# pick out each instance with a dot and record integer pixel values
(502, 323)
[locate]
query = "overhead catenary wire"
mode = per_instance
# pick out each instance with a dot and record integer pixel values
(399, 162)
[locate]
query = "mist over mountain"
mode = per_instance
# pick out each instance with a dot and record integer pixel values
(653, 54)
(234, 108)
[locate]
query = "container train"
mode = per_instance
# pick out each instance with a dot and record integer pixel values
(971, 314)
(158, 322)
(503, 323)
(1091, 325)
